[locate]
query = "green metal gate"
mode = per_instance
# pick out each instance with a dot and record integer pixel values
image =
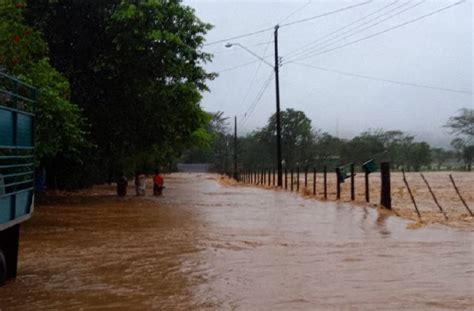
(17, 104)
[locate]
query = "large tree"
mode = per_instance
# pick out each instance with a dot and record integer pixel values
(296, 137)
(462, 125)
(135, 68)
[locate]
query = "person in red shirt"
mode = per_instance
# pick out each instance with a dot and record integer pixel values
(157, 183)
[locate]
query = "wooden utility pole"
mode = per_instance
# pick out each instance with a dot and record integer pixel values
(236, 177)
(278, 119)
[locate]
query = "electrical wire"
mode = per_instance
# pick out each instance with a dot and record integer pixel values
(254, 103)
(385, 30)
(239, 36)
(326, 14)
(309, 45)
(295, 11)
(352, 33)
(287, 24)
(237, 67)
(255, 75)
(259, 96)
(385, 80)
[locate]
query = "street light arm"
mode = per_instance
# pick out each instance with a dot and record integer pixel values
(249, 51)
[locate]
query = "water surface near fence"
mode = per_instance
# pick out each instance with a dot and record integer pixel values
(208, 246)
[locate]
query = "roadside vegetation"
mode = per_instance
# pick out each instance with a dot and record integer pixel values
(306, 146)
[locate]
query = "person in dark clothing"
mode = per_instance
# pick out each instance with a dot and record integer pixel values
(122, 184)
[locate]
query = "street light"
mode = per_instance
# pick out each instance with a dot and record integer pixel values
(277, 93)
(229, 45)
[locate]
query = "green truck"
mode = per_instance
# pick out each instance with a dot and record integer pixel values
(17, 167)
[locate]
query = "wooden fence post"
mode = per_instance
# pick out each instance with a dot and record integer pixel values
(385, 190)
(325, 182)
(297, 179)
(352, 182)
(411, 194)
(291, 180)
(305, 178)
(314, 181)
(286, 178)
(338, 184)
(367, 188)
(459, 194)
(433, 195)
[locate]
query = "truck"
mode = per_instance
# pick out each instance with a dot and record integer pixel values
(17, 166)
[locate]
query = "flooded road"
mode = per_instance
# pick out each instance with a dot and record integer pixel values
(204, 246)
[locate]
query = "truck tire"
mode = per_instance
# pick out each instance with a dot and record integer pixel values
(3, 268)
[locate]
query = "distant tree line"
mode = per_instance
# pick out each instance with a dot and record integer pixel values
(119, 81)
(305, 146)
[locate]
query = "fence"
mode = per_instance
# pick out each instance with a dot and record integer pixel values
(423, 194)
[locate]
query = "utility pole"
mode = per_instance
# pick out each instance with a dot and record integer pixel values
(235, 149)
(276, 67)
(278, 125)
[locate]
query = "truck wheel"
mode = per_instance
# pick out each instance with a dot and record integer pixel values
(3, 268)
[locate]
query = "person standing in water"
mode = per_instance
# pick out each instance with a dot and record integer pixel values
(140, 184)
(122, 184)
(157, 183)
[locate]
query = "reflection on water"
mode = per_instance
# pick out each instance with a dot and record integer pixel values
(205, 246)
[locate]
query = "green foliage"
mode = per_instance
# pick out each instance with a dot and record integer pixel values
(462, 126)
(135, 69)
(441, 156)
(306, 147)
(59, 124)
(296, 133)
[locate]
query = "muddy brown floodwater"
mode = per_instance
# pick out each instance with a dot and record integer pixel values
(205, 246)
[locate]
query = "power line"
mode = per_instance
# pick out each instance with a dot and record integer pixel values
(308, 45)
(287, 24)
(353, 33)
(237, 67)
(384, 80)
(254, 103)
(259, 96)
(295, 11)
(255, 74)
(326, 14)
(239, 36)
(386, 30)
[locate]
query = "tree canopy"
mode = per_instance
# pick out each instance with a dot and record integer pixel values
(462, 125)
(135, 69)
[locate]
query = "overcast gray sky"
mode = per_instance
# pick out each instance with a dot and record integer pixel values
(434, 51)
